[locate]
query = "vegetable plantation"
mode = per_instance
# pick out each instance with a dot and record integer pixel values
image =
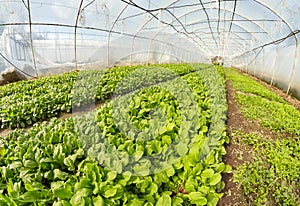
(164, 134)
(157, 138)
(271, 176)
(149, 103)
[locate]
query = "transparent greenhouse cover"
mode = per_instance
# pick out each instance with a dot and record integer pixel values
(258, 36)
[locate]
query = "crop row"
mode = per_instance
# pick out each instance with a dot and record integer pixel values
(153, 146)
(263, 105)
(270, 178)
(24, 103)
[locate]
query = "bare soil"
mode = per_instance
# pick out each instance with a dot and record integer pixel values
(238, 154)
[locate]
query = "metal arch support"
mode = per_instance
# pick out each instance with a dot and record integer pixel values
(247, 31)
(296, 40)
(75, 33)
(260, 27)
(279, 16)
(269, 35)
(239, 37)
(200, 46)
(234, 47)
(235, 33)
(236, 40)
(153, 39)
(31, 40)
(240, 48)
(240, 15)
(178, 0)
(212, 8)
(134, 36)
(208, 22)
(234, 24)
(109, 33)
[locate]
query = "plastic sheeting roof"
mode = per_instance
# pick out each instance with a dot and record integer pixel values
(229, 28)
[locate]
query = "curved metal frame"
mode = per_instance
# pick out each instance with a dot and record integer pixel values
(192, 37)
(265, 31)
(198, 9)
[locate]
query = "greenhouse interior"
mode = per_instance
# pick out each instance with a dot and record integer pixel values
(149, 103)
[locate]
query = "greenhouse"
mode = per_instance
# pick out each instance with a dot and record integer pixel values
(146, 102)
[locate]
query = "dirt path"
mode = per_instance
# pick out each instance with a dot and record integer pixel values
(233, 193)
(237, 154)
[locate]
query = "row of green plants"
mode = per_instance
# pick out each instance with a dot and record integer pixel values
(26, 102)
(245, 84)
(114, 156)
(271, 178)
(263, 105)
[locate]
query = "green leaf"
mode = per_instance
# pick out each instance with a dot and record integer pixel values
(126, 175)
(69, 161)
(78, 198)
(110, 191)
(111, 175)
(22, 124)
(212, 199)
(227, 169)
(181, 149)
(149, 198)
(58, 174)
(164, 200)
(63, 193)
(204, 189)
(156, 146)
(166, 139)
(197, 198)
(136, 202)
(210, 159)
(15, 164)
(33, 196)
(207, 173)
(141, 169)
(153, 189)
(219, 167)
(161, 177)
(138, 155)
(215, 179)
(177, 201)
(2, 151)
(98, 201)
(143, 185)
(198, 169)
(178, 164)
(190, 185)
(30, 164)
(170, 171)
(7, 201)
